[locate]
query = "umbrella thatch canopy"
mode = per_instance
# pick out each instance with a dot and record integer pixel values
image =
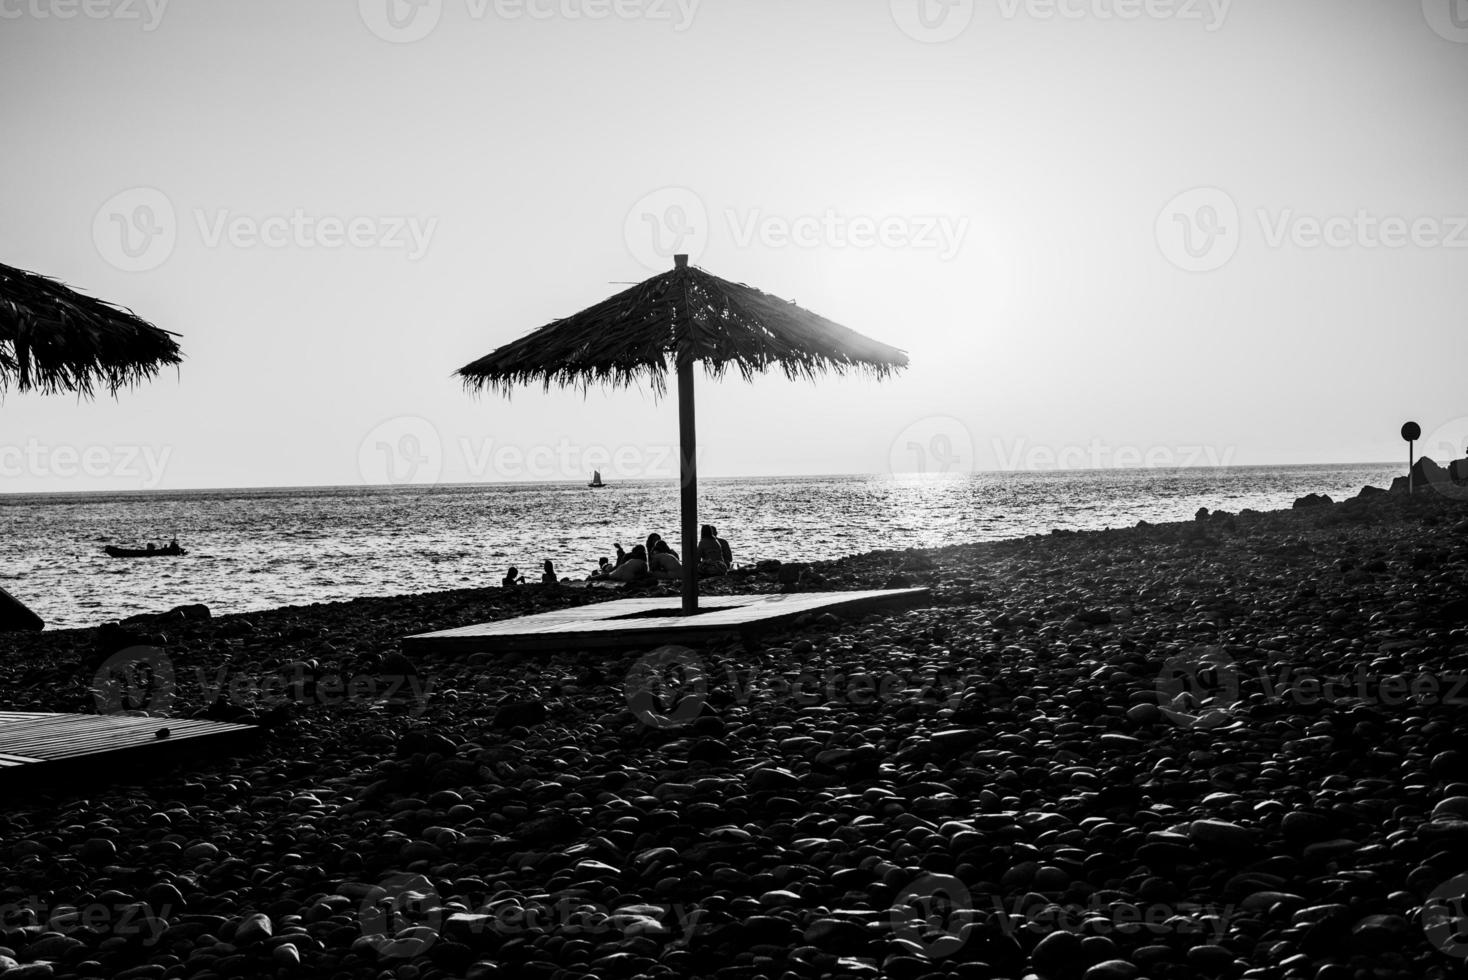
(679, 317)
(55, 339)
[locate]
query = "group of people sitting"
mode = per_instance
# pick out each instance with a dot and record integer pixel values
(547, 577)
(655, 559)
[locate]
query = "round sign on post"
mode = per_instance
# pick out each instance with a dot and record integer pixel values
(1411, 432)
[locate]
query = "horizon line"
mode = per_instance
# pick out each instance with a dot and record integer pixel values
(674, 480)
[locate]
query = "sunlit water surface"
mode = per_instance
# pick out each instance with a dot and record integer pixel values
(256, 549)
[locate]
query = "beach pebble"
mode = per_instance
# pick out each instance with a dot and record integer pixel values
(1377, 933)
(773, 780)
(34, 971)
(1221, 834)
(1111, 970)
(254, 928)
(1454, 807)
(1144, 714)
(98, 851)
(1057, 956)
(517, 714)
(556, 835)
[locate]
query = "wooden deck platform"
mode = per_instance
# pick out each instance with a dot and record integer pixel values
(649, 621)
(44, 746)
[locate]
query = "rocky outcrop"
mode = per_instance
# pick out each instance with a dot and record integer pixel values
(1425, 472)
(1312, 500)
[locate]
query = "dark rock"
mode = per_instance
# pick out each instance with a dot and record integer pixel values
(1058, 956)
(1312, 500)
(836, 935)
(1425, 472)
(1380, 933)
(789, 574)
(1111, 970)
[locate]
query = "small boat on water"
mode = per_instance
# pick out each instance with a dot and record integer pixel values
(170, 551)
(596, 479)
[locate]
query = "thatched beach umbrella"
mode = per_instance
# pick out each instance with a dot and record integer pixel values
(683, 315)
(54, 339)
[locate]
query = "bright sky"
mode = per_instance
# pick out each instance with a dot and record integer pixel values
(1164, 232)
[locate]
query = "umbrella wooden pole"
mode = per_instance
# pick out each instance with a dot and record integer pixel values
(688, 471)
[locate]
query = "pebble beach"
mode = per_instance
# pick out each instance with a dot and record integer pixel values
(1229, 747)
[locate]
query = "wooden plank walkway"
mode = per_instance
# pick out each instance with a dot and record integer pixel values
(39, 746)
(649, 621)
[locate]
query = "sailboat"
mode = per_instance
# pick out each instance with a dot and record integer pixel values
(596, 479)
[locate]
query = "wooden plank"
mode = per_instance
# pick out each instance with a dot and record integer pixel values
(625, 622)
(41, 746)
